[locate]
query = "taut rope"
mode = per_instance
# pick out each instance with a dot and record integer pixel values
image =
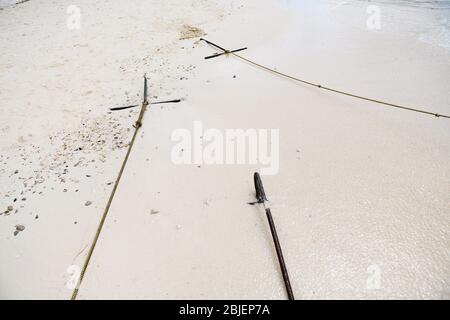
(225, 51)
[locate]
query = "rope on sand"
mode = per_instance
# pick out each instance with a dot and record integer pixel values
(225, 51)
(261, 198)
(137, 125)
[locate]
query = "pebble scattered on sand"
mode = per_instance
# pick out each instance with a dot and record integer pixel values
(19, 228)
(74, 151)
(66, 156)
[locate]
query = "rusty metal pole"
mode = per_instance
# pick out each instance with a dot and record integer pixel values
(261, 198)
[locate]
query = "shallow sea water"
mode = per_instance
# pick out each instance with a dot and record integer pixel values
(428, 21)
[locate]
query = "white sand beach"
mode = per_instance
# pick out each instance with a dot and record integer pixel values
(361, 195)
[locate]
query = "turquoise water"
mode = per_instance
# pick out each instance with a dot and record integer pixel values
(6, 3)
(424, 4)
(427, 21)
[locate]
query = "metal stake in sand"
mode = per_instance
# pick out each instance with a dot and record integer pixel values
(319, 86)
(137, 125)
(135, 105)
(225, 51)
(261, 198)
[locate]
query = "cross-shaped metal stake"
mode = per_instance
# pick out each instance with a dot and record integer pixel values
(225, 51)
